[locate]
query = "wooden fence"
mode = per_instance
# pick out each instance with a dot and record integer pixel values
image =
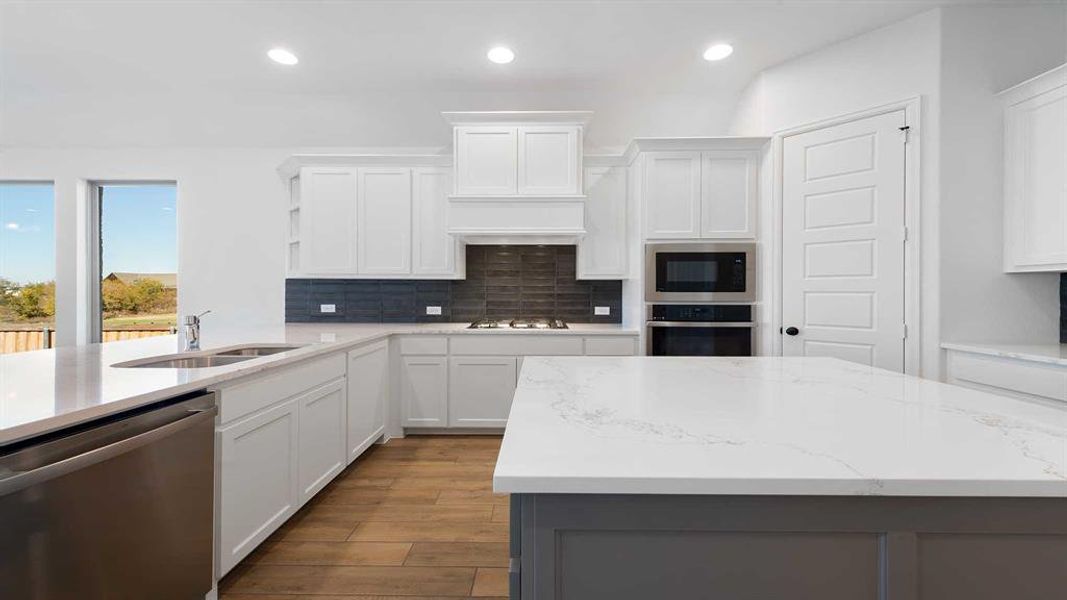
(22, 340)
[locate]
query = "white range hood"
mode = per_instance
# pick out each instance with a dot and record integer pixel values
(518, 177)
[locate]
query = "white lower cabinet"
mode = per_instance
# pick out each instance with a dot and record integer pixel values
(480, 390)
(368, 386)
(259, 486)
(424, 391)
(321, 449)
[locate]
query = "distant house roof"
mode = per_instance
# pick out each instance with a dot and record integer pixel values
(169, 280)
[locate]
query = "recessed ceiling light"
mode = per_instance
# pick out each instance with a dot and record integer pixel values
(718, 52)
(501, 55)
(282, 56)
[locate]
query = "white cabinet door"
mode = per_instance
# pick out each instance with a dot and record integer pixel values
(368, 384)
(434, 251)
(258, 488)
(671, 193)
(480, 391)
(549, 161)
(424, 391)
(602, 251)
(327, 221)
(321, 448)
(1035, 156)
(384, 219)
(729, 181)
(486, 160)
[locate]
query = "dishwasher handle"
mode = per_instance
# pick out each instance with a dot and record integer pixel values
(14, 481)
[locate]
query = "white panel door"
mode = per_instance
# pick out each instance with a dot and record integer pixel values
(602, 251)
(1036, 180)
(433, 250)
(671, 194)
(424, 391)
(481, 390)
(328, 221)
(548, 160)
(486, 160)
(729, 182)
(384, 221)
(321, 451)
(258, 480)
(368, 385)
(843, 242)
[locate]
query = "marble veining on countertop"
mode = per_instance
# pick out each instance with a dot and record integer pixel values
(46, 390)
(1050, 353)
(808, 426)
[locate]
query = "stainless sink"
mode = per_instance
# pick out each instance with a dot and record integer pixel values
(208, 358)
(190, 362)
(253, 351)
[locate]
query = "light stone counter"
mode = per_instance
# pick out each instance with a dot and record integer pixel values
(770, 426)
(50, 389)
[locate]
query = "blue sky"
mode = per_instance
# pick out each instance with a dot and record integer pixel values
(139, 226)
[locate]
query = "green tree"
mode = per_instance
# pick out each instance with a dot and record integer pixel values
(34, 300)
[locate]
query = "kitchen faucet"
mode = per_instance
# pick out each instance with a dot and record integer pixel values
(192, 331)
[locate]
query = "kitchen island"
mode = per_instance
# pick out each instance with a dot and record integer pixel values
(670, 477)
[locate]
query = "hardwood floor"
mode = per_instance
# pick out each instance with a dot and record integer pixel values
(413, 519)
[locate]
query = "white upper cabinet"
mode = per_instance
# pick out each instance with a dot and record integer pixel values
(728, 194)
(376, 217)
(434, 251)
(326, 221)
(602, 252)
(1035, 173)
(384, 221)
(549, 161)
(700, 188)
(671, 194)
(486, 160)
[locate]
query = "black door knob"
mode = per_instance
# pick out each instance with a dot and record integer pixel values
(791, 331)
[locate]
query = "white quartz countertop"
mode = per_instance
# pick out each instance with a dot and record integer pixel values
(782, 426)
(47, 390)
(1053, 354)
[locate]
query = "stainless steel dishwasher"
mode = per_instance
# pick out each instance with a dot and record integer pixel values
(118, 509)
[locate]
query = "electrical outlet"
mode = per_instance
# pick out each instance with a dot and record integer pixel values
(601, 311)
(327, 308)
(327, 337)
(433, 310)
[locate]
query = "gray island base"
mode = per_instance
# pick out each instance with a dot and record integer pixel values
(642, 547)
(676, 478)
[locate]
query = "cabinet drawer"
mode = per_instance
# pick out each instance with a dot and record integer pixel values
(424, 345)
(246, 398)
(610, 346)
(1048, 381)
(517, 345)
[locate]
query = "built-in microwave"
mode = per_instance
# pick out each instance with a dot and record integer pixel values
(700, 272)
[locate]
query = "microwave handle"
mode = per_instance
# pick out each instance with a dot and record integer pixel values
(699, 324)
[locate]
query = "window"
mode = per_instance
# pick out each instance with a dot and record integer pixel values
(27, 267)
(138, 259)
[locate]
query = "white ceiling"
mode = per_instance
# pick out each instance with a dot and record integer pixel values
(363, 53)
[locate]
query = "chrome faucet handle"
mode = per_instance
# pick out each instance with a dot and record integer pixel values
(194, 319)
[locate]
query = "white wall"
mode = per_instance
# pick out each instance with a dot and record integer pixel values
(891, 64)
(984, 50)
(231, 225)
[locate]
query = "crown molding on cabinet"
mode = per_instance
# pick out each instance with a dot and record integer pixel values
(526, 117)
(291, 166)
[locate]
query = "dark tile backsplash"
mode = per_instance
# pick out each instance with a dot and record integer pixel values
(502, 282)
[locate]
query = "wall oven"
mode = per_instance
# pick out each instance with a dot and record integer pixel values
(700, 272)
(700, 330)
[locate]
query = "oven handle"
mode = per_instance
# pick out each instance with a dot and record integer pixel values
(702, 324)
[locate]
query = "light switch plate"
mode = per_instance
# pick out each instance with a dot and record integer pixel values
(433, 310)
(327, 337)
(601, 310)
(327, 308)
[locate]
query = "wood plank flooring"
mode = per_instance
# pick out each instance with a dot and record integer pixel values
(413, 519)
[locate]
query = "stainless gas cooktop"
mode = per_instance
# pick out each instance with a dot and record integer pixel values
(518, 324)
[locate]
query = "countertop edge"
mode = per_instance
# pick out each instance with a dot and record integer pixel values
(1008, 350)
